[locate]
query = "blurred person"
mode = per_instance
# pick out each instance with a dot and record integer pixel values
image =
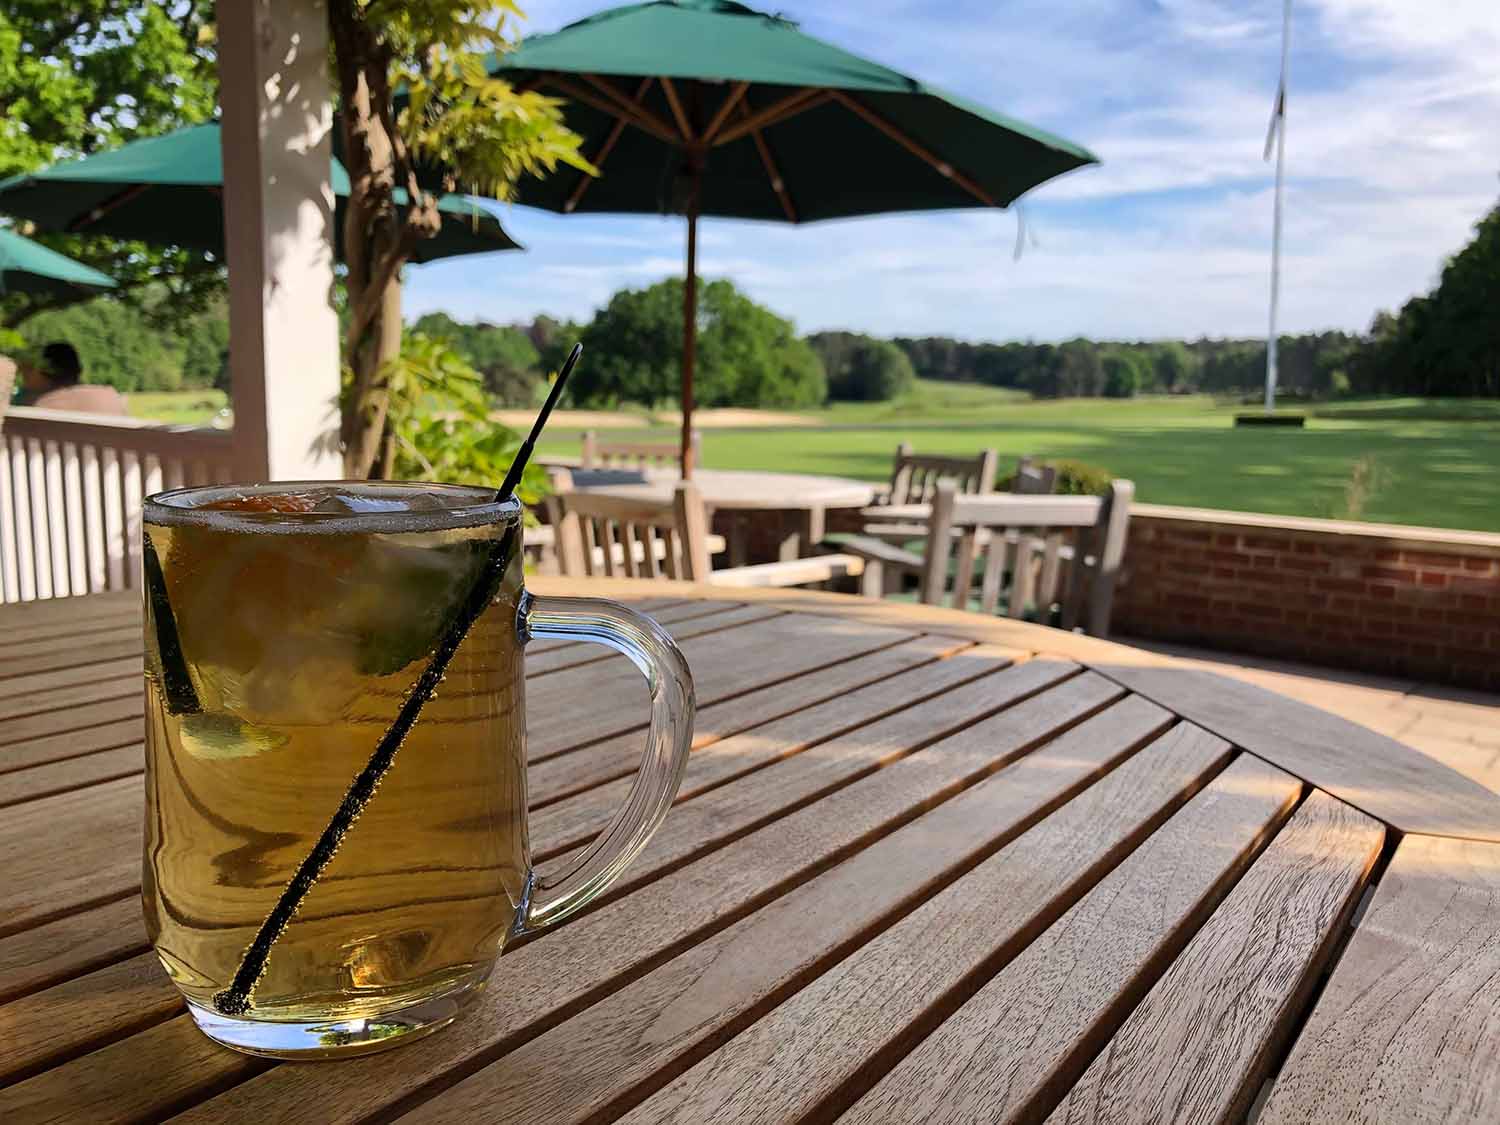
(53, 382)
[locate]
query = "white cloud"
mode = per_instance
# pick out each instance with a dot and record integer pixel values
(1392, 156)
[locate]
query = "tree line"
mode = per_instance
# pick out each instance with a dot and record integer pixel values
(1444, 343)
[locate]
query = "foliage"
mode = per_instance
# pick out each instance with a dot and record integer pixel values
(452, 126)
(121, 344)
(1447, 342)
(440, 421)
(862, 368)
(1074, 478)
(90, 75)
(1126, 372)
(747, 355)
(504, 355)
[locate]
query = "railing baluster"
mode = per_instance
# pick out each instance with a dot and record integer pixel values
(41, 538)
(20, 485)
(10, 575)
(112, 489)
(171, 468)
(91, 467)
(130, 502)
(72, 489)
(57, 519)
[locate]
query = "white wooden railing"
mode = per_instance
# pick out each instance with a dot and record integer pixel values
(71, 487)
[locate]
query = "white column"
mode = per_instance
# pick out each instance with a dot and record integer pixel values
(277, 118)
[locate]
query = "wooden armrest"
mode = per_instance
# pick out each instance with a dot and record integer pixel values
(873, 550)
(793, 572)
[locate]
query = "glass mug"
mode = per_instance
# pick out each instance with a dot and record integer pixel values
(288, 629)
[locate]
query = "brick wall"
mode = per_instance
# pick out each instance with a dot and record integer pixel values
(1407, 601)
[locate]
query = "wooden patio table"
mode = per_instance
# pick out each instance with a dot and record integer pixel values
(802, 499)
(924, 866)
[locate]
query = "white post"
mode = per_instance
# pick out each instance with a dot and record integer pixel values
(1278, 122)
(277, 119)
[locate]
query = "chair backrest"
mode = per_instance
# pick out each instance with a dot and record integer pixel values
(1018, 542)
(599, 454)
(1032, 479)
(599, 534)
(915, 477)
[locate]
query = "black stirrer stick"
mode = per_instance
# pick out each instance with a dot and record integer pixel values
(235, 1000)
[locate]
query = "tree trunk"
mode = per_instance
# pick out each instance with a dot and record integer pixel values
(372, 237)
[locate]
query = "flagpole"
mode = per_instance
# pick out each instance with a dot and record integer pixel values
(1278, 126)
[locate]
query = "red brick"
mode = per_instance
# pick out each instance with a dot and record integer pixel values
(1267, 543)
(1305, 547)
(1227, 539)
(1388, 574)
(1387, 555)
(1224, 572)
(1228, 558)
(1435, 580)
(1382, 592)
(1261, 609)
(1428, 559)
(1185, 535)
(1483, 566)
(1340, 585)
(1378, 627)
(1302, 563)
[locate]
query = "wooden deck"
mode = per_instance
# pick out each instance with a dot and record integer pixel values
(924, 866)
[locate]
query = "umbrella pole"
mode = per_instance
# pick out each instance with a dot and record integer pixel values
(690, 328)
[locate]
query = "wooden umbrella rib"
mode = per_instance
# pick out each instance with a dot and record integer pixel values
(94, 214)
(584, 179)
(942, 167)
(721, 115)
(579, 92)
(670, 89)
(795, 103)
(778, 185)
(632, 107)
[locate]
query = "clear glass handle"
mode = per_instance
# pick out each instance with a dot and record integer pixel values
(553, 897)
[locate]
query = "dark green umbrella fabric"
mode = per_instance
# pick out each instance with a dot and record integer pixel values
(29, 267)
(166, 190)
(709, 107)
(856, 138)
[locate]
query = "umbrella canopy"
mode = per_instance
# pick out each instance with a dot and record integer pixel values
(29, 267)
(166, 190)
(711, 107)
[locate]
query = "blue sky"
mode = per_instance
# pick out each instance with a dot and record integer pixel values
(1393, 152)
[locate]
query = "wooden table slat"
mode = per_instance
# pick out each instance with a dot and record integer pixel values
(802, 712)
(605, 949)
(553, 780)
(924, 866)
(88, 675)
(70, 773)
(579, 706)
(641, 1035)
(1201, 1042)
(1407, 1027)
(70, 744)
(1014, 1049)
(808, 1057)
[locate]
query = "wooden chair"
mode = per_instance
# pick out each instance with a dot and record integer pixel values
(599, 534)
(634, 454)
(1031, 539)
(914, 480)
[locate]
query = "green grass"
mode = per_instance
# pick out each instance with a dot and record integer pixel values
(194, 408)
(1426, 462)
(1433, 462)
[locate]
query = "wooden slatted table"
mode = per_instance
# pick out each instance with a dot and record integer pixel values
(925, 866)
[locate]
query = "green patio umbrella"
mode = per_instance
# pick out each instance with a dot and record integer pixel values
(166, 190)
(29, 267)
(708, 107)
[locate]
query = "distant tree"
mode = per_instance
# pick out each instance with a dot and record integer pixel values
(504, 356)
(1447, 342)
(1173, 366)
(1125, 372)
(747, 355)
(862, 368)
